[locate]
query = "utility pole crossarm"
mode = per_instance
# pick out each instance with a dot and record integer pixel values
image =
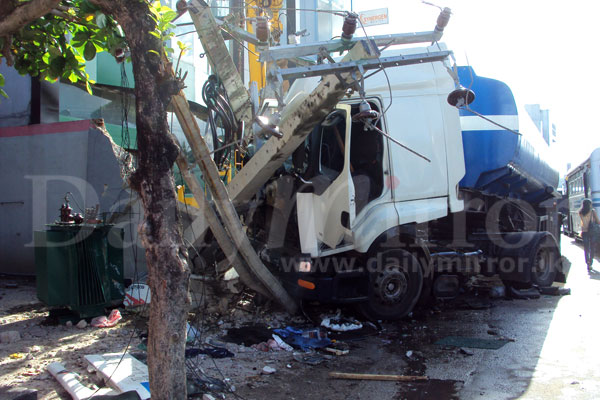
(298, 120)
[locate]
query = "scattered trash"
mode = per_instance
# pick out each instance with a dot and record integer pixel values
(261, 347)
(81, 324)
(70, 381)
(340, 324)
(305, 340)
(248, 335)
(313, 359)
(122, 371)
(10, 337)
(409, 354)
(213, 352)
(466, 352)
(461, 341)
(282, 344)
(16, 356)
(35, 349)
(103, 322)
(492, 332)
(289, 366)
(268, 370)
(337, 352)
(137, 295)
(11, 285)
(207, 396)
(69, 324)
(377, 377)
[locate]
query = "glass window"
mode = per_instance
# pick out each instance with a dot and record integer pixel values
(333, 133)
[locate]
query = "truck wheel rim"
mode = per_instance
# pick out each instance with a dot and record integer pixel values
(391, 287)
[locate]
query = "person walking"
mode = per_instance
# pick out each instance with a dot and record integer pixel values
(588, 216)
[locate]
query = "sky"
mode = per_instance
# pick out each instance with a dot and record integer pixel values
(545, 50)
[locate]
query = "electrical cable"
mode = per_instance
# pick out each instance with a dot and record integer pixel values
(387, 78)
(219, 110)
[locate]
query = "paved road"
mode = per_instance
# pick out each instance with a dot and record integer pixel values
(555, 354)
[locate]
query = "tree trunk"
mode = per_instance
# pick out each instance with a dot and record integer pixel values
(166, 254)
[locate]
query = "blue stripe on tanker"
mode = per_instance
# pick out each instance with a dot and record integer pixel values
(498, 161)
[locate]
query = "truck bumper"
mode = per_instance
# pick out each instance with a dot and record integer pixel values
(347, 287)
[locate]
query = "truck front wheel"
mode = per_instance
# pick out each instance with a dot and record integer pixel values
(395, 283)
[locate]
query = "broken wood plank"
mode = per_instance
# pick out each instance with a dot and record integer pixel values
(217, 229)
(298, 120)
(230, 218)
(71, 383)
(221, 62)
(122, 372)
(377, 377)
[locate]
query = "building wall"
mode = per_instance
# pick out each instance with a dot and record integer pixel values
(39, 164)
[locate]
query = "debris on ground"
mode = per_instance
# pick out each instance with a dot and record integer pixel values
(377, 377)
(122, 372)
(268, 370)
(304, 339)
(214, 352)
(81, 324)
(466, 351)
(340, 324)
(104, 322)
(137, 295)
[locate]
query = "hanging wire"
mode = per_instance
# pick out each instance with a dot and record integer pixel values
(387, 78)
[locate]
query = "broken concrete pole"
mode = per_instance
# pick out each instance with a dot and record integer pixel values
(229, 216)
(217, 228)
(297, 121)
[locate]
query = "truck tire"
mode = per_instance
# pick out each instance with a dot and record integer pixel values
(395, 285)
(544, 267)
(541, 257)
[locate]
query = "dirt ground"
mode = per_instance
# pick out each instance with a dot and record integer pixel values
(400, 348)
(297, 374)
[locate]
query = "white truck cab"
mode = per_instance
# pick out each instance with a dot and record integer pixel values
(364, 183)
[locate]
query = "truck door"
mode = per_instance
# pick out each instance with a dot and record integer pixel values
(326, 214)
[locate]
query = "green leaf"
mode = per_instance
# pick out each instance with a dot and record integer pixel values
(169, 16)
(73, 77)
(88, 87)
(54, 51)
(3, 93)
(81, 36)
(153, 52)
(1, 80)
(89, 52)
(154, 33)
(57, 66)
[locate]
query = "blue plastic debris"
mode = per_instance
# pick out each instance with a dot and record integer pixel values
(304, 340)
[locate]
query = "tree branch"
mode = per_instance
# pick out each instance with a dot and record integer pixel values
(24, 14)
